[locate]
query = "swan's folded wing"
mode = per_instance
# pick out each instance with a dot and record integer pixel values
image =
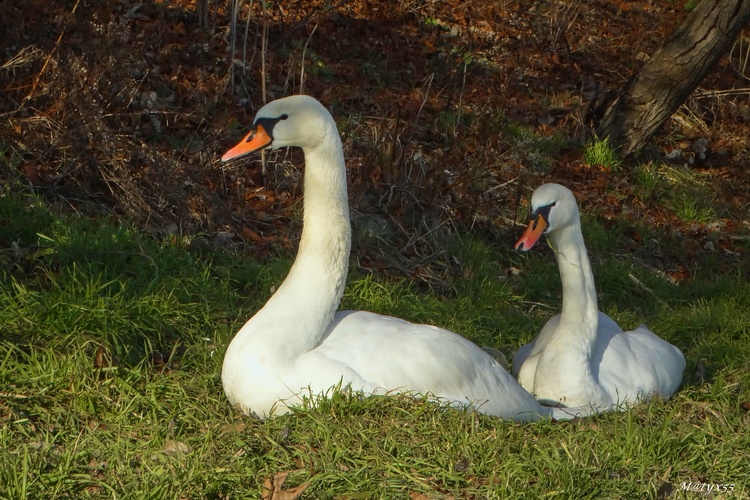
(394, 354)
(641, 364)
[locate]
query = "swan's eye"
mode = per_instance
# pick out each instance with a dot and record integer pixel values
(541, 213)
(284, 116)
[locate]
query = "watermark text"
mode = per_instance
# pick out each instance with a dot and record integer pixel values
(707, 487)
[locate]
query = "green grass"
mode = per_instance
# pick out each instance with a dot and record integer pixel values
(686, 193)
(690, 195)
(600, 152)
(73, 290)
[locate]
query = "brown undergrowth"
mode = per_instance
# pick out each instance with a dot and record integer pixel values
(451, 113)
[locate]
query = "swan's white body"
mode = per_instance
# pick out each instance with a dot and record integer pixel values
(298, 346)
(581, 356)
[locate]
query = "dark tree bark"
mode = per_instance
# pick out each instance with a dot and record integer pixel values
(634, 114)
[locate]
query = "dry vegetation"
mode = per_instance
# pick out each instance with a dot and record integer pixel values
(451, 112)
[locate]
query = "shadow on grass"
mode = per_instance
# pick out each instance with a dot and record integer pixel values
(68, 282)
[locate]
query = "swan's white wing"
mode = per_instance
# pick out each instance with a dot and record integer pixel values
(391, 354)
(637, 363)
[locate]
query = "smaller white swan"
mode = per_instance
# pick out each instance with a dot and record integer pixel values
(298, 345)
(581, 356)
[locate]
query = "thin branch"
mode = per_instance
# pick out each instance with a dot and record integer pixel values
(235, 6)
(46, 62)
(244, 41)
(264, 52)
(302, 63)
(426, 95)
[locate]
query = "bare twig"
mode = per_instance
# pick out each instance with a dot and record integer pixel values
(719, 93)
(641, 285)
(460, 102)
(302, 63)
(245, 64)
(426, 95)
(46, 62)
(264, 52)
(742, 58)
(24, 56)
(538, 304)
(235, 6)
(499, 186)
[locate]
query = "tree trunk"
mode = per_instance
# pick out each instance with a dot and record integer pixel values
(636, 112)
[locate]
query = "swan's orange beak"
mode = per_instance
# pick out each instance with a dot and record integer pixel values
(536, 228)
(257, 139)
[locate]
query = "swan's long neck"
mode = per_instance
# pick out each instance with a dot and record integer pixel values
(580, 312)
(296, 316)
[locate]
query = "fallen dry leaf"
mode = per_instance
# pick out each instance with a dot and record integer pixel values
(237, 427)
(173, 448)
(272, 487)
(103, 359)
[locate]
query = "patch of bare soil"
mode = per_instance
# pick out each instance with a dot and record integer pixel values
(451, 113)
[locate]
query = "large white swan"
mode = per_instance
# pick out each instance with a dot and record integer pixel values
(297, 345)
(581, 356)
